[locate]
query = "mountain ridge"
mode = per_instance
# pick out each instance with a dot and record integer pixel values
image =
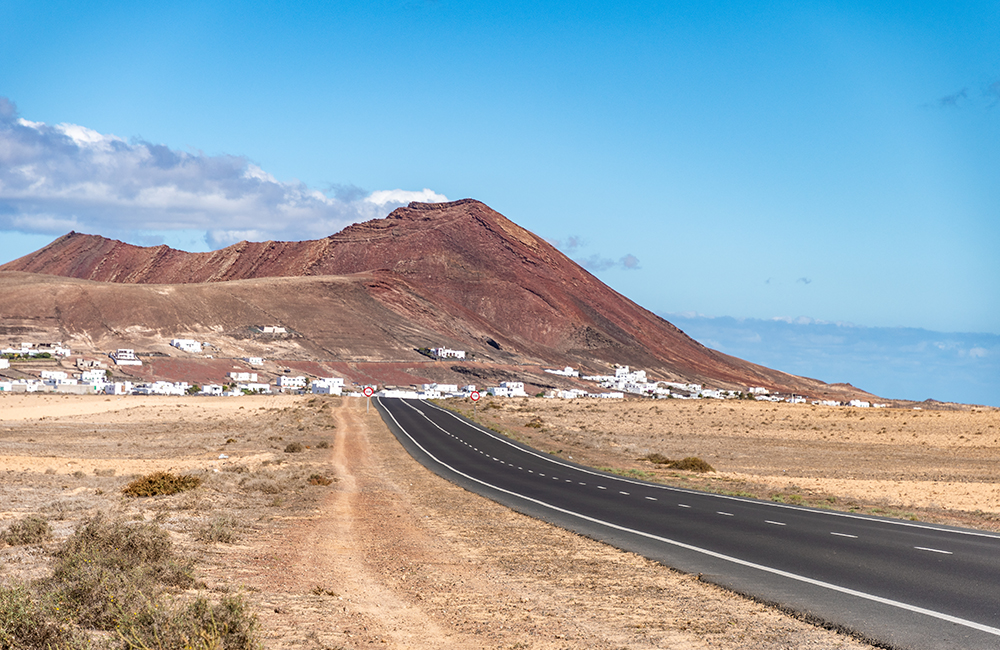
(458, 269)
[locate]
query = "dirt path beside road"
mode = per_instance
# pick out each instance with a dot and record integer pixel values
(398, 557)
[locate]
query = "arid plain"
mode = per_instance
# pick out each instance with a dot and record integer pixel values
(387, 553)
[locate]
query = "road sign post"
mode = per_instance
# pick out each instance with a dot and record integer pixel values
(474, 396)
(369, 391)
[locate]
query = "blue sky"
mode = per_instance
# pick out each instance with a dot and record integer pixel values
(836, 161)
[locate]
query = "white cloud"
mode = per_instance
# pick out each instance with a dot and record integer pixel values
(55, 178)
(402, 197)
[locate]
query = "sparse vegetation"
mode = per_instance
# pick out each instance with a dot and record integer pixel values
(31, 530)
(323, 444)
(294, 448)
(689, 464)
(114, 576)
(160, 483)
(319, 479)
(222, 528)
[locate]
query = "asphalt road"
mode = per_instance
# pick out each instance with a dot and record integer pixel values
(897, 583)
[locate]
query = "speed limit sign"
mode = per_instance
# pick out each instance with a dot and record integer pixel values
(369, 391)
(474, 396)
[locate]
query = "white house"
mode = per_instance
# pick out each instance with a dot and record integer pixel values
(328, 386)
(498, 391)
(125, 357)
(54, 374)
(212, 389)
(187, 345)
(514, 388)
(565, 372)
(273, 329)
(92, 376)
(4, 363)
(291, 382)
(446, 353)
(6, 386)
(860, 404)
(118, 388)
(254, 361)
(255, 388)
(243, 376)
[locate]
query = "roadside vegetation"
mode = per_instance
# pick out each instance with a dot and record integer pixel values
(118, 584)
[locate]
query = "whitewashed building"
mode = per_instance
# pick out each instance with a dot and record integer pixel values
(447, 353)
(187, 345)
(125, 357)
(291, 382)
(243, 376)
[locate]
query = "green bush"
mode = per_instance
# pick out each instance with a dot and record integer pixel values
(160, 483)
(32, 530)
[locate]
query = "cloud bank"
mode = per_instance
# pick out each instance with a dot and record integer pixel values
(57, 178)
(903, 363)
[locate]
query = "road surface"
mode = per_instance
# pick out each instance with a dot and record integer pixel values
(897, 583)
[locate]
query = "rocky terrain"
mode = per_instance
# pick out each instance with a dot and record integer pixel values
(454, 274)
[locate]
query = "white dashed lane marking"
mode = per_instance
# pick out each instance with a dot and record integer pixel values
(651, 498)
(683, 505)
(933, 550)
(845, 535)
(776, 523)
(724, 514)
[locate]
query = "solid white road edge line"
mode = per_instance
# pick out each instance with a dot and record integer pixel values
(785, 574)
(830, 513)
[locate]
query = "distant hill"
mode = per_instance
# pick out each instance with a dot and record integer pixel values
(458, 274)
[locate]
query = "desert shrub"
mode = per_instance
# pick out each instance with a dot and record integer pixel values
(319, 479)
(105, 472)
(534, 423)
(222, 528)
(159, 483)
(109, 569)
(27, 622)
(79, 474)
(265, 486)
(199, 625)
(294, 448)
(32, 530)
(690, 464)
(323, 444)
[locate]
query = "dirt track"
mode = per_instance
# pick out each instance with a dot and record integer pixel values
(388, 554)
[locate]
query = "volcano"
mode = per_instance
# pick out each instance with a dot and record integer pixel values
(457, 274)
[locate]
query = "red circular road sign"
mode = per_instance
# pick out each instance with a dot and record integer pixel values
(369, 391)
(474, 396)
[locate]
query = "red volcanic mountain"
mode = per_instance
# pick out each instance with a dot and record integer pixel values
(460, 271)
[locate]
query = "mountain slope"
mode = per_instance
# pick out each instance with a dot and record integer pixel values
(460, 270)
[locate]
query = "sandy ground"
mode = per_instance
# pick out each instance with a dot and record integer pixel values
(391, 555)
